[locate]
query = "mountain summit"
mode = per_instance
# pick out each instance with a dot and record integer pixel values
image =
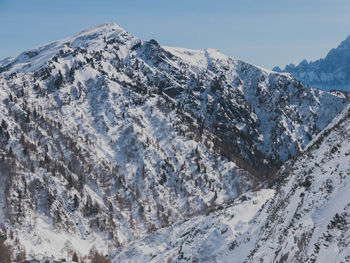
(106, 138)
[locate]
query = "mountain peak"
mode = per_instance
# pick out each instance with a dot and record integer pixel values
(92, 38)
(102, 28)
(345, 44)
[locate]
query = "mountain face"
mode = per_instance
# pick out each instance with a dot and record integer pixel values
(330, 73)
(308, 218)
(106, 138)
(305, 218)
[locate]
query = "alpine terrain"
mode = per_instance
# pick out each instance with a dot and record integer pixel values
(115, 148)
(306, 217)
(329, 73)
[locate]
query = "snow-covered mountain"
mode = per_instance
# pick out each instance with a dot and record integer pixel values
(305, 219)
(106, 138)
(329, 73)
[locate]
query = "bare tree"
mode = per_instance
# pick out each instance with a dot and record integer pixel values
(5, 253)
(96, 257)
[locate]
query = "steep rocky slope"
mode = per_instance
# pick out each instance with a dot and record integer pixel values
(105, 137)
(305, 220)
(329, 73)
(308, 218)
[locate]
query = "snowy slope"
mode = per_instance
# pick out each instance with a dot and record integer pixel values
(106, 138)
(139, 175)
(305, 219)
(271, 109)
(329, 73)
(308, 218)
(198, 239)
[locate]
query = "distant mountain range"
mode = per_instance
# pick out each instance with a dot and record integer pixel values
(329, 73)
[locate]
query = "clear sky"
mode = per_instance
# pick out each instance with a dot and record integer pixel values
(262, 32)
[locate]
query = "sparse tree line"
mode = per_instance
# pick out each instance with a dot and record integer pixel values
(48, 149)
(74, 172)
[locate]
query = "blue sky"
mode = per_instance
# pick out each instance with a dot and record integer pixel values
(262, 32)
